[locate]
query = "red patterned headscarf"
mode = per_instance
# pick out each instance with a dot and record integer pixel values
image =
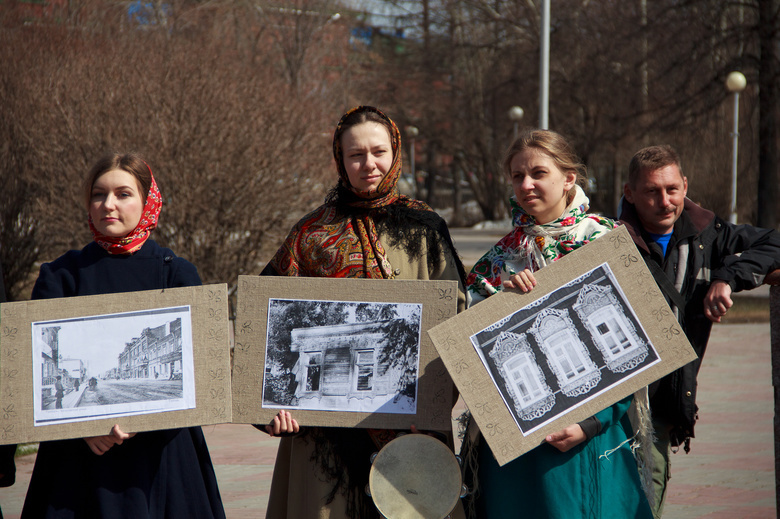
(326, 244)
(138, 236)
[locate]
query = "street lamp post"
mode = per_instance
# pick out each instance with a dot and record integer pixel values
(412, 132)
(544, 67)
(735, 83)
(515, 115)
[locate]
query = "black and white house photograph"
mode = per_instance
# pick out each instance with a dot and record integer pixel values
(111, 365)
(342, 356)
(565, 349)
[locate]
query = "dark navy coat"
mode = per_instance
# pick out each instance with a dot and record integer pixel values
(154, 475)
(7, 466)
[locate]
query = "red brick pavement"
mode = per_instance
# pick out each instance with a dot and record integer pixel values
(730, 470)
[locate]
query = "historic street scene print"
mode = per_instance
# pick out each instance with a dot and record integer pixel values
(113, 365)
(342, 356)
(565, 349)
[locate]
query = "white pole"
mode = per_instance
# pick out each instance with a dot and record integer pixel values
(735, 83)
(544, 68)
(735, 143)
(411, 159)
(412, 132)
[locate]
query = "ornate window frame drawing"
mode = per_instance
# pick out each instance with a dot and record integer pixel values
(512, 347)
(553, 325)
(597, 305)
(465, 342)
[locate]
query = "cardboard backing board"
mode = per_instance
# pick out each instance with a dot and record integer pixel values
(514, 359)
(160, 359)
(341, 352)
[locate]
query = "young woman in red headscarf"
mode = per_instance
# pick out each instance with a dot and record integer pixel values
(365, 229)
(157, 474)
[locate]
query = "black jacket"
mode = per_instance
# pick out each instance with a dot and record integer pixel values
(740, 255)
(7, 465)
(156, 474)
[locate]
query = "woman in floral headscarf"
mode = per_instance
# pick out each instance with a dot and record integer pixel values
(149, 475)
(586, 470)
(365, 229)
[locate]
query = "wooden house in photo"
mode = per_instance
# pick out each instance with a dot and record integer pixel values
(344, 361)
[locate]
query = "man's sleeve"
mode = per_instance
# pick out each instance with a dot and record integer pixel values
(747, 255)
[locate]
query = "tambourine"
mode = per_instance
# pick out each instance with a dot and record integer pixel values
(415, 476)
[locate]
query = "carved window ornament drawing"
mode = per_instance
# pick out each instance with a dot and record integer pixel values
(524, 379)
(613, 333)
(587, 334)
(566, 354)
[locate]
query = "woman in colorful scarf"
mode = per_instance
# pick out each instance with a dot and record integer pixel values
(365, 229)
(567, 476)
(149, 475)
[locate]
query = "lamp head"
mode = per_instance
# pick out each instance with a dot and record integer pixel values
(736, 82)
(516, 113)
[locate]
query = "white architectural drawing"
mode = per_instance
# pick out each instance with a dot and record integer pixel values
(589, 337)
(613, 333)
(567, 355)
(524, 379)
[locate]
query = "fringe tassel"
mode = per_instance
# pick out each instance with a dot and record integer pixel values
(643, 439)
(468, 455)
(634, 447)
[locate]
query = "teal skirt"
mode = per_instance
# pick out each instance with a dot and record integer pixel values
(581, 483)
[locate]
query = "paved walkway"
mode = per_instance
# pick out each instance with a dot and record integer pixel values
(473, 243)
(730, 470)
(729, 473)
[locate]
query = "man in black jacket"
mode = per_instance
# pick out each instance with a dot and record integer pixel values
(698, 260)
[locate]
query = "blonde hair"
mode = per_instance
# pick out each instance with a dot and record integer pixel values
(555, 146)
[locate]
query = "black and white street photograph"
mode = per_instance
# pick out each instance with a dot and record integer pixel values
(342, 356)
(113, 365)
(565, 349)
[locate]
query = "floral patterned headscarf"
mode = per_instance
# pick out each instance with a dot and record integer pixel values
(134, 240)
(531, 245)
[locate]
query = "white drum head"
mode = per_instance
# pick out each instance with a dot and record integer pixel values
(415, 476)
